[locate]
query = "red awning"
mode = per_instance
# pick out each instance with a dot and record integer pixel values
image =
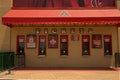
(106, 16)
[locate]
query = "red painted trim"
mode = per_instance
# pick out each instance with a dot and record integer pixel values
(87, 37)
(61, 37)
(17, 42)
(69, 20)
(110, 37)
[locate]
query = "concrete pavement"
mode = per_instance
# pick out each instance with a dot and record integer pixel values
(61, 74)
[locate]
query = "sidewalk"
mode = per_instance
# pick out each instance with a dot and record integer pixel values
(61, 74)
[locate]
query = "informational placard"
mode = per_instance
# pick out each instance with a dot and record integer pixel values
(52, 41)
(96, 41)
(31, 41)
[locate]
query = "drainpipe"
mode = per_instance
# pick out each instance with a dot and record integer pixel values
(9, 69)
(118, 34)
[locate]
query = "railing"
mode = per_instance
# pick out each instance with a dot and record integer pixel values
(117, 59)
(9, 61)
(6, 61)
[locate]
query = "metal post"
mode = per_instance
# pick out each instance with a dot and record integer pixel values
(9, 70)
(2, 62)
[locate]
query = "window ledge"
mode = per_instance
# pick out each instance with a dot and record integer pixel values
(42, 55)
(64, 55)
(108, 55)
(85, 55)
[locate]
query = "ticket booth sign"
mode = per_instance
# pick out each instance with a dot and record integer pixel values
(42, 45)
(85, 45)
(31, 41)
(107, 45)
(63, 44)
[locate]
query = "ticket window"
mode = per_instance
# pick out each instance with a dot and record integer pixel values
(63, 44)
(42, 45)
(85, 45)
(20, 44)
(107, 45)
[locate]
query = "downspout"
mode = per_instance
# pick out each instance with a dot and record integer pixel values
(9, 69)
(118, 34)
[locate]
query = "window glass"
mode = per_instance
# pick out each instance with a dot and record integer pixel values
(64, 3)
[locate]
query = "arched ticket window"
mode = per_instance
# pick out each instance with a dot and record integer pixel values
(20, 45)
(85, 45)
(107, 45)
(42, 45)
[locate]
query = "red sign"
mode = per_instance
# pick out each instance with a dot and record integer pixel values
(107, 38)
(21, 38)
(97, 41)
(64, 38)
(53, 41)
(85, 38)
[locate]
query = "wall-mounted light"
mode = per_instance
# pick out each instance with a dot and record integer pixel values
(46, 30)
(72, 30)
(63, 30)
(81, 30)
(90, 30)
(37, 30)
(54, 31)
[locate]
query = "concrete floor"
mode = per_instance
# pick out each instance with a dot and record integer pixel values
(61, 74)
